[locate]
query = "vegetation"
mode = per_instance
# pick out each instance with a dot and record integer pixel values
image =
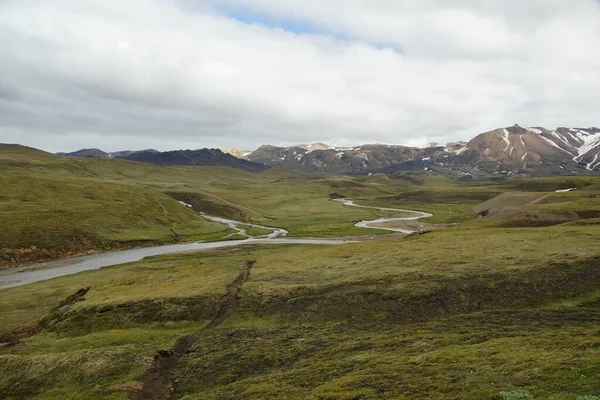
(83, 204)
(505, 306)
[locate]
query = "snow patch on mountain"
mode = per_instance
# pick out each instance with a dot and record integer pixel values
(535, 130)
(590, 143)
(551, 143)
(506, 139)
(590, 166)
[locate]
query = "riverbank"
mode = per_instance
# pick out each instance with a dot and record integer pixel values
(401, 224)
(54, 269)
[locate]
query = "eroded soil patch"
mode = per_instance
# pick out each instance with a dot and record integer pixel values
(158, 384)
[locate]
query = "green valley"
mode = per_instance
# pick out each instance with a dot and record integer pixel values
(497, 296)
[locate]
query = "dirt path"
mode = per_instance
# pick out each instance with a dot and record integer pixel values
(158, 383)
(539, 199)
(166, 214)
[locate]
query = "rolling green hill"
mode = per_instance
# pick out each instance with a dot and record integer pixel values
(52, 208)
(55, 206)
(500, 306)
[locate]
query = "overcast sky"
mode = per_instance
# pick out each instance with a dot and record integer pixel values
(172, 74)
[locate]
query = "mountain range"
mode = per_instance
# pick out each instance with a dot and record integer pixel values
(205, 157)
(511, 151)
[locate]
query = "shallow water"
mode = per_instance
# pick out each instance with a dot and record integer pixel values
(39, 272)
(13, 277)
(368, 224)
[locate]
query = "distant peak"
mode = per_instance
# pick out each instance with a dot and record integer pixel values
(317, 146)
(235, 152)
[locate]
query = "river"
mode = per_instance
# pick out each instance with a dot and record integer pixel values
(19, 276)
(372, 224)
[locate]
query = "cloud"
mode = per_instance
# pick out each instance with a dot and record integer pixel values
(187, 74)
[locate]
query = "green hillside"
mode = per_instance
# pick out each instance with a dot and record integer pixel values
(500, 301)
(56, 206)
(53, 207)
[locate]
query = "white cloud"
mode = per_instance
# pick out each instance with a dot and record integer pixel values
(186, 74)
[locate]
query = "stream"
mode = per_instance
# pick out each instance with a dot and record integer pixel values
(370, 224)
(19, 276)
(236, 226)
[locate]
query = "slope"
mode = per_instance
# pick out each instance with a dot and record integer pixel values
(53, 206)
(206, 157)
(511, 151)
(437, 315)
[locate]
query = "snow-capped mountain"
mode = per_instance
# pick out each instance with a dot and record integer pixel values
(510, 151)
(588, 153)
(319, 158)
(520, 146)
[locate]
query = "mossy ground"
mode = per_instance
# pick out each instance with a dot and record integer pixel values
(53, 207)
(464, 313)
(480, 310)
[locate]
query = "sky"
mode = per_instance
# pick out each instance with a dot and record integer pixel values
(187, 74)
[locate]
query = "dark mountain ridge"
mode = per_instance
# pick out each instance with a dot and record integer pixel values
(200, 157)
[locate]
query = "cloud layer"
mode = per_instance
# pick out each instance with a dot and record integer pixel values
(173, 74)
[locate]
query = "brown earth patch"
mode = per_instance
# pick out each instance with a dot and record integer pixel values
(523, 217)
(506, 200)
(515, 210)
(222, 207)
(158, 383)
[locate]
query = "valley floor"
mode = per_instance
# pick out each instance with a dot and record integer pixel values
(503, 306)
(450, 314)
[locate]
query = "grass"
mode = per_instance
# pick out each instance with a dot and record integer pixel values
(71, 216)
(167, 277)
(86, 204)
(87, 367)
(455, 358)
(415, 318)
(486, 309)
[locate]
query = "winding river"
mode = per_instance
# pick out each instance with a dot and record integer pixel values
(19, 276)
(373, 223)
